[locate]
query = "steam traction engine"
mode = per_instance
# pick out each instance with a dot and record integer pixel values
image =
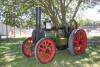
(44, 41)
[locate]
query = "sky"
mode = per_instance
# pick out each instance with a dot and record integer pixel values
(93, 13)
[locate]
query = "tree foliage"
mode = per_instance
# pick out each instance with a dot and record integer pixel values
(85, 22)
(60, 11)
(17, 12)
(21, 13)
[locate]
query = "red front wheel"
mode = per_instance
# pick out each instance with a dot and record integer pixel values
(27, 47)
(45, 50)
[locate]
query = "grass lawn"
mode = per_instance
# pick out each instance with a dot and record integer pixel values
(11, 56)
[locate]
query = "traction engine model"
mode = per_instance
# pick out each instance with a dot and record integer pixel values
(45, 40)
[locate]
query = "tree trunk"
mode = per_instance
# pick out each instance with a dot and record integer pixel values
(6, 31)
(0, 37)
(14, 32)
(20, 31)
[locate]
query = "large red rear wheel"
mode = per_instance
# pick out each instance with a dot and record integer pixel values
(77, 42)
(45, 50)
(27, 47)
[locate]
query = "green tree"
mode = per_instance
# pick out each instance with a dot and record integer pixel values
(13, 11)
(61, 12)
(85, 22)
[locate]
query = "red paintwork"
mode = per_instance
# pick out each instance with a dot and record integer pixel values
(44, 46)
(79, 47)
(26, 47)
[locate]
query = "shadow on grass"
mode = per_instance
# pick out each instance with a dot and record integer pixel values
(11, 56)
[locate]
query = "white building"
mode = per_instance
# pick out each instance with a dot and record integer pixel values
(14, 32)
(3, 29)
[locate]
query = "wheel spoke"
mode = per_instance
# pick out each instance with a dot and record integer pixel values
(46, 54)
(77, 48)
(77, 42)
